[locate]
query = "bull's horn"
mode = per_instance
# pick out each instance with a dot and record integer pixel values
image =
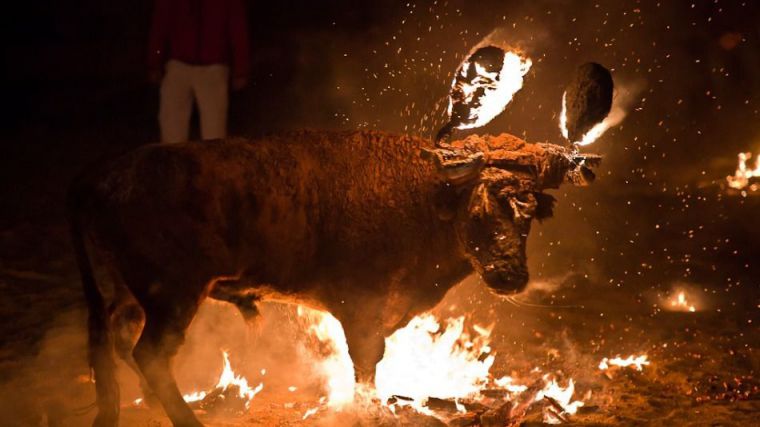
(456, 167)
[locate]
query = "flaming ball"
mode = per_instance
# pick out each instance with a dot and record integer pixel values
(587, 100)
(483, 86)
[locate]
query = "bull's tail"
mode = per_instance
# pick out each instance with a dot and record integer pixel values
(100, 341)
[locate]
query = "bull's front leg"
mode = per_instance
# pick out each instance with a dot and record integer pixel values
(363, 326)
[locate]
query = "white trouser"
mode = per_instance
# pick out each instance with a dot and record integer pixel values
(209, 85)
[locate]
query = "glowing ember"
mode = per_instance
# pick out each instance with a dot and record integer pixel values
(680, 303)
(425, 360)
(617, 114)
(561, 404)
(636, 362)
(743, 175)
(335, 363)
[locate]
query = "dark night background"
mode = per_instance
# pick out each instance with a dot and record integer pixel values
(77, 90)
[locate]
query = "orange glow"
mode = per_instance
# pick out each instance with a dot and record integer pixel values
(679, 303)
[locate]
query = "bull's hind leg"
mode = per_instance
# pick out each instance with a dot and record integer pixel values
(127, 321)
(167, 317)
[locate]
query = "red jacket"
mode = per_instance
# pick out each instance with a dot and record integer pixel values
(200, 32)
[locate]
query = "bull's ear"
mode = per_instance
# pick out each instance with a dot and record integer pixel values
(455, 166)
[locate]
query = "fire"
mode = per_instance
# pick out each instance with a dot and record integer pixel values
(680, 303)
(498, 88)
(616, 115)
(741, 178)
(507, 383)
(228, 385)
(193, 397)
(335, 365)
(425, 360)
(230, 379)
(638, 362)
(561, 401)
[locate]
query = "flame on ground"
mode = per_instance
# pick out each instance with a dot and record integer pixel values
(425, 359)
(499, 87)
(561, 398)
(229, 378)
(741, 178)
(335, 364)
(637, 362)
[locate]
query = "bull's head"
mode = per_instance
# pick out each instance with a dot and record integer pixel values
(500, 181)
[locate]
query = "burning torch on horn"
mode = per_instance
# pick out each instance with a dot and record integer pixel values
(487, 80)
(483, 86)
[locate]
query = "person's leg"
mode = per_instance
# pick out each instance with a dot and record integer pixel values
(176, 103)
(211, 85)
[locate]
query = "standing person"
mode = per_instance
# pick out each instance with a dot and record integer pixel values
(198, 49)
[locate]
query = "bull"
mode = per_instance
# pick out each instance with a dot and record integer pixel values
(371, 227)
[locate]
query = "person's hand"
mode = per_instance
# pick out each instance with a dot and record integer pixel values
(238, 83)
(154, 76)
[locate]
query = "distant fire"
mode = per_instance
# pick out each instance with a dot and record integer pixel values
(636, 362)
(680, 303)
(743, 177)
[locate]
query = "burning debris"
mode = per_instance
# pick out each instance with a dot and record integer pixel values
(744, 178)
(483, 86)
(561, 404)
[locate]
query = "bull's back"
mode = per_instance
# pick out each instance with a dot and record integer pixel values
(301, 198)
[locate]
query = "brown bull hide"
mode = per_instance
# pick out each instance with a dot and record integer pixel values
(356, 223)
